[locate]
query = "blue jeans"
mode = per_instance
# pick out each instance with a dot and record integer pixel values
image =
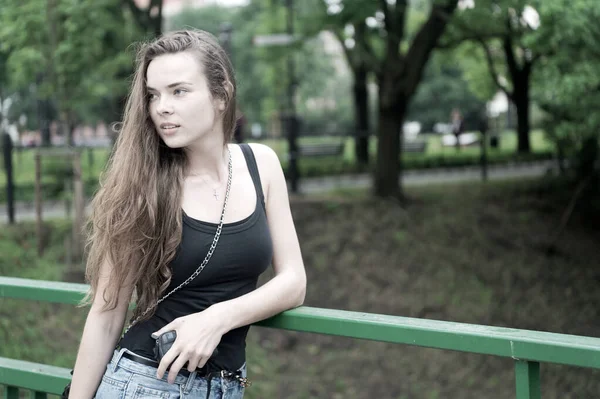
(126, 379)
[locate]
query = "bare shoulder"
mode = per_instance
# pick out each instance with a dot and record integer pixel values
(269, 166)
(267, 159)
(264, 153)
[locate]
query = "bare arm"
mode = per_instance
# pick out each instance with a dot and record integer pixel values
(287, 288)
(100, 335)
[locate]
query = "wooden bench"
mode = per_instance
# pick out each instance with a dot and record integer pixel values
(414, 146)
(321, 150)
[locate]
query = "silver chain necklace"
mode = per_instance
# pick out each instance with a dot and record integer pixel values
(208, 254)
(215, 193)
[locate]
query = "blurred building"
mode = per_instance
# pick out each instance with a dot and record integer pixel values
(173, 7)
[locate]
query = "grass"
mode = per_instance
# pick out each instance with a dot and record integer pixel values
(471, 253)
(45, 329)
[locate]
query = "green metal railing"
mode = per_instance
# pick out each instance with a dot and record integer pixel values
(527, 348)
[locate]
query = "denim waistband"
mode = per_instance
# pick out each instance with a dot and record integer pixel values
(119, 361)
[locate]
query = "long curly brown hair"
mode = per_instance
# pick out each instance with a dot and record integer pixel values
(136, 220)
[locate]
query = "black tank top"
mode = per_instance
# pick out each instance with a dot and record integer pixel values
(243, 252)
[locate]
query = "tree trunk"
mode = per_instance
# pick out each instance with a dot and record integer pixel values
(70, 127)
(157, 24)
(521, 101)
(155, 17)
(398, 76)
(388, 166)
(43, 114)
(148, 19)
(520, 93)
(361, 111)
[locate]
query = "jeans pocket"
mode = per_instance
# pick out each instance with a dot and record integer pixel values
(142, 392)
(143, 386)
(234, 391)
(110, 388)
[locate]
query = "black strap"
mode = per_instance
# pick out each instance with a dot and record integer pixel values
(209, 381)
(253, 169)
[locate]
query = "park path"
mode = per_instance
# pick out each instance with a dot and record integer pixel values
(432, 176)
(26, 211)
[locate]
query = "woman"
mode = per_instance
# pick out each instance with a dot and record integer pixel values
(184, 214)
(457, 126)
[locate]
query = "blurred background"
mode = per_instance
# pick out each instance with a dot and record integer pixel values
(441, 155)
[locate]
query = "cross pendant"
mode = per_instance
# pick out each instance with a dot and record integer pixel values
(216, 195)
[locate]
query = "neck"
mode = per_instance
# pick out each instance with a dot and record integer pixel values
(208, 160)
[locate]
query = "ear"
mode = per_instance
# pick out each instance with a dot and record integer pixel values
(221, 105)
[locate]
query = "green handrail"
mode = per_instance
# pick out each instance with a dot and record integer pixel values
(38, 378)
(527, 348)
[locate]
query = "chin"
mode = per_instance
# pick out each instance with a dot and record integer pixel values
(186, 140)
(173, 142)
(174, 145)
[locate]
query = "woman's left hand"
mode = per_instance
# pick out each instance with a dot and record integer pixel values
(197, 337)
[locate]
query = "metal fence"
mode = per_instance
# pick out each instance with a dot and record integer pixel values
(527, 348)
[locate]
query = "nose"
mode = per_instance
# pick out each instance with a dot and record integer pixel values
(163, 106)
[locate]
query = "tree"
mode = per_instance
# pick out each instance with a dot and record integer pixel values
(568, 89)
(399, 71)
(350, 28)
(261, 71)
(360, 94)
(444, 88)
(249, 67)
(397, 54)
(568, 85)
(3, 81)
(149, 19)
(503, 29)
(316, 79)
(75, 51)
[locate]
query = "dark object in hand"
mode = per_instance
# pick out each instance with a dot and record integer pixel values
(163, 343)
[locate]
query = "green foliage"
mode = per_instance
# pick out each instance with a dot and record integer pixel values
(19, 244)
(325, 103)
(550, 46)
(75, 50)
(24, 107)
(568, 84)
(250, 68)
(471, 59)
(445, 87)
(261, 72)
(484, 27)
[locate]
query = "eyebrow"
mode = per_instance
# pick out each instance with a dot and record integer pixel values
(171, 85)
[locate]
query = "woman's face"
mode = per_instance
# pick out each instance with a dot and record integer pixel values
(180, 104)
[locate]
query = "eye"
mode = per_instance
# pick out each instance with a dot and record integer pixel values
(152, 96)
(179, 92)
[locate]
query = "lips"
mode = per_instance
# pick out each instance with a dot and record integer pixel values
(167, 126)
